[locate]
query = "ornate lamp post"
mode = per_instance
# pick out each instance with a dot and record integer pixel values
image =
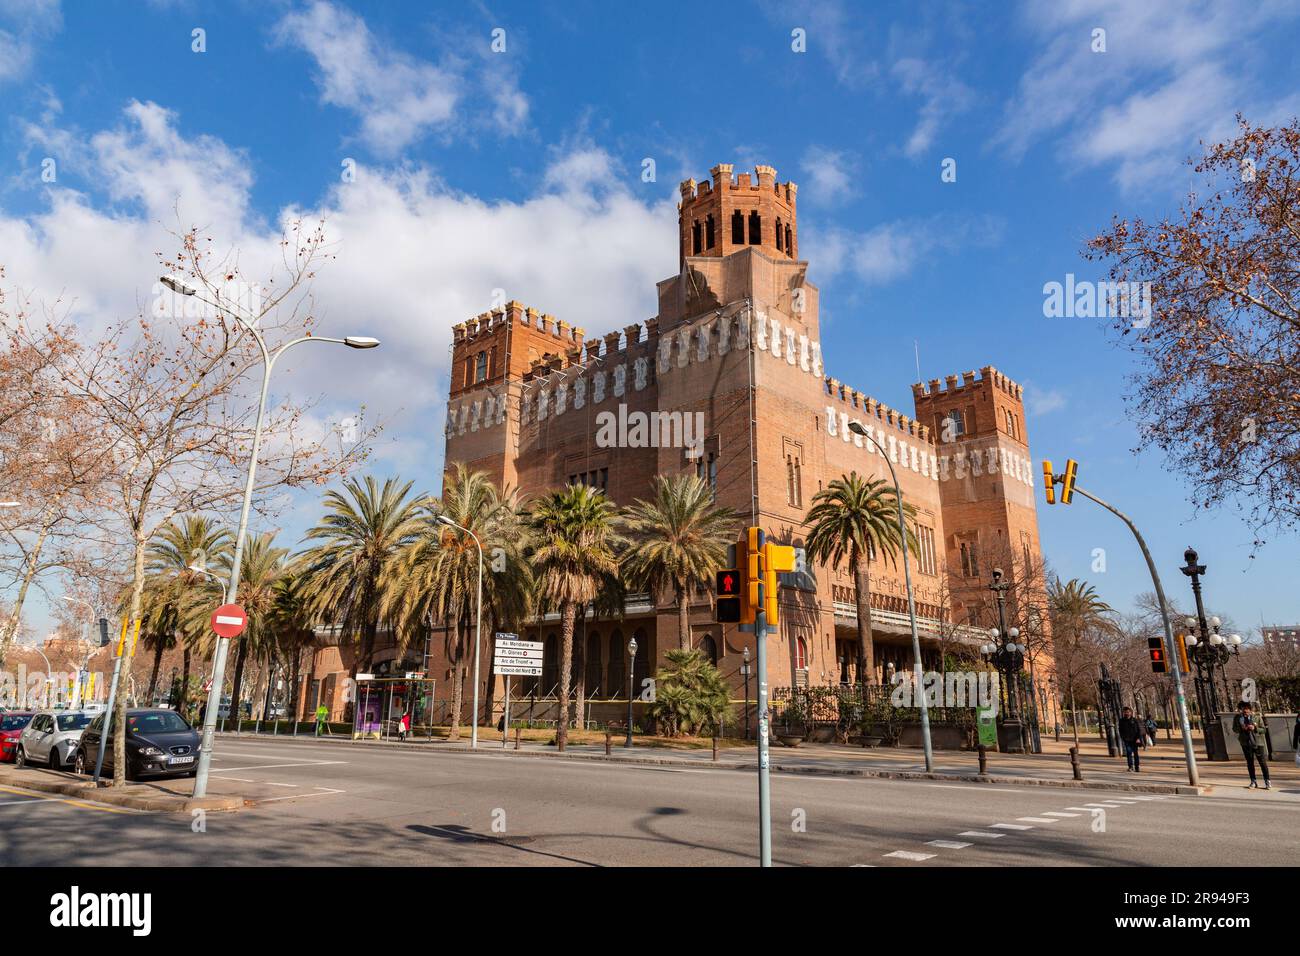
(1008, 656)
(744, 670)
(631, 669)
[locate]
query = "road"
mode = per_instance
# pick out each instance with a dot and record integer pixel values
(329, 804)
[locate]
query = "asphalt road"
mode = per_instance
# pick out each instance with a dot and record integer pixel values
(352, 805)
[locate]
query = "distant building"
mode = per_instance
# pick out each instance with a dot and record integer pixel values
(1282, 636)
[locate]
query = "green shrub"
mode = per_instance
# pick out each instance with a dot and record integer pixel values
(690, 695)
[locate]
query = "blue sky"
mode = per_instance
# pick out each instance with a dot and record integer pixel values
(521, 170)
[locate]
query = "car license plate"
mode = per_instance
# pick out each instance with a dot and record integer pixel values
(175, 761)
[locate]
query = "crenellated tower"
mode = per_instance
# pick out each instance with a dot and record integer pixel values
(726, 216)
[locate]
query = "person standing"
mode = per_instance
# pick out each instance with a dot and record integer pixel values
(1247, 731)
(404, 726)
(1151, 731)
(1130, 734)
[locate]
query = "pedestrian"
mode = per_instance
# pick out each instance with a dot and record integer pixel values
(1151, 731)
(321, 713)
(404, 726)
(1295, 740)
(1247, 731)
(1130, 734)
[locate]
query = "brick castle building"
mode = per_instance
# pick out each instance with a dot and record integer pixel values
(729, 381)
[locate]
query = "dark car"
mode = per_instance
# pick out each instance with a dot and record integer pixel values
(12, 725)
(159, 743)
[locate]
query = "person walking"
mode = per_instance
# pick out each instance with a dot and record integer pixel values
(1247, 731)
(1151, 731)
(1130, 734)
(322, 712)
(404, 726)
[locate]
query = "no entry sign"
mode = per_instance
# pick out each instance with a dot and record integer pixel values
(229, 620)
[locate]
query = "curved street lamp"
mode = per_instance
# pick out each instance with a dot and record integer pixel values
(269, 357)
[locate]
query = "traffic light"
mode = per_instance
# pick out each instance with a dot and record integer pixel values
(728, 590)
(776, 559)
(1156, 648)
(1067, 483)
(753, 572)
(1180, 643)
(1049, 483)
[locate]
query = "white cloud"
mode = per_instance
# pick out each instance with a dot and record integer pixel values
(1042, 401)
(829, 176)
(892, 250)
(31, 21)
(943, 96)
(398, 98)
(1172, 72)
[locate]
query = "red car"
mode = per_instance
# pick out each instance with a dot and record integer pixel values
(12, 725)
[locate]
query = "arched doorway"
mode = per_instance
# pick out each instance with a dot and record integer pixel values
(709, 648)
(616, 671)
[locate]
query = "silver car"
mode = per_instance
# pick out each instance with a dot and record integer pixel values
(51, 738)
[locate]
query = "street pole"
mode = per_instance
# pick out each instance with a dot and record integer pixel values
(917, 672)
(1192, 776)
(236, 564)
(112, 696)
(631, 672)
(764, 783)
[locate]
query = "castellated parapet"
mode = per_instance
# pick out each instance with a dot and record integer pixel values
(718, 218)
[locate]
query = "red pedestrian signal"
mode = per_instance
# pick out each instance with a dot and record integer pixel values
(1156, 648)
(728, 593)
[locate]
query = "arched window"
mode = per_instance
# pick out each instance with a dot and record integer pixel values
(481, 367)
(780, 237)
(708, 232)
(755, 229)
(709, 648)
(695, 238)
(800, 654)
(593, 665)
(789, 242)
(617, 671)
(738, 228)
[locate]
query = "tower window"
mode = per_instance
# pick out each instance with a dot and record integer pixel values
(738, 228)
(708, 232)
(481, 367)
(755, 229)
(779, 237)
(789, 244)
(954, 423)
(970, 559)
(695, 238)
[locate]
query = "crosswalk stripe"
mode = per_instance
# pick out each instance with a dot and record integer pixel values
(1012, 826)
(1038, 819)
(1058, 813)
(982, 833)
(909, 855)
(948, 844)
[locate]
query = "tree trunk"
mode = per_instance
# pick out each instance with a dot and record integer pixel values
(128, 659)
(183, 705)
(683, 617)
(568, 615)
(295, 676)
(458, 676)
(1074, 716)
(16, 615)
(153, 673)
(236, 712)
(866, 647)
(580, 672)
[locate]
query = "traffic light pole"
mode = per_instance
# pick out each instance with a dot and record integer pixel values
(764, 781)
(1192, 777)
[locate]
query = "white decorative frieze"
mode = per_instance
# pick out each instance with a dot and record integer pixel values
(776, 337)
(665, 353)
(561, 398)
(543, 401)
(579, 393)
(683, 347)
(790, 357)
(620, 380)
(702, 336)
(760, 332)
(640, 373)
(476, 415)
(598, 388)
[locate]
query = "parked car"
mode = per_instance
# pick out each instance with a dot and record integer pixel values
(51, 738)
(159, 743)
(12, 724)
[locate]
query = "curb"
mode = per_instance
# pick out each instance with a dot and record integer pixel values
(1157, 788)
(158, 803)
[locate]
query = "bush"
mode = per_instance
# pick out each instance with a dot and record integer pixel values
(690, 695)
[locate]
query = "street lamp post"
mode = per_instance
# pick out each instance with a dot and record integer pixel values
(631, 669)
(1008, 656)
(478, 627)
(232, 591)
(858, 429)
(744, 671)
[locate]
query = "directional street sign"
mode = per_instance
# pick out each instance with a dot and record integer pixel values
(229, 620)
(515, 658)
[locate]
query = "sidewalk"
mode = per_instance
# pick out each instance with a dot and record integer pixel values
(1163, 767)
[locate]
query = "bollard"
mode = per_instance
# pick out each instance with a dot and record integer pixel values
(984, 759)
(1074, 763)
(517, 731)
(715, 748)
(608, 741)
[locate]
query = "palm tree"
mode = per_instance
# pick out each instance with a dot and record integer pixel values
(438, 570)
(1076, 611)
(576, 538)
(264, 565)
(679, 541)
(294, 631)
(857, 518)
(178, 598)
(350, 569)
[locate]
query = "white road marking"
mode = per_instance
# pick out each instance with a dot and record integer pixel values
(982, 833)
(277, 766)
(947, 844)
(302, 796)
(1011, 826)
(1081, 809)
(1058, 813)
(956, 786)
(909, 855)
(1038, 819)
